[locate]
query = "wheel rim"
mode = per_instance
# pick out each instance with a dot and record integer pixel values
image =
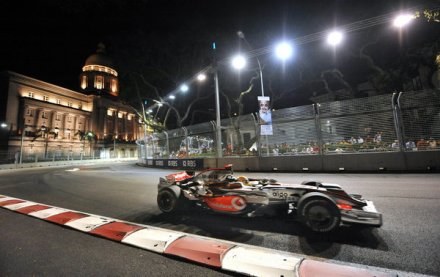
(320, 218)
(166, 201)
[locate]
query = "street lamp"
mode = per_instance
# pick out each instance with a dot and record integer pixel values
(283, 50)
(238, 62)
(184, 88)
(241, 35)
(217, 113)
(334, 38)
(21, 143)
(159, 105)
(45, 134)
(202, 77)
(114, 145)
(217, 104)
(402, 20)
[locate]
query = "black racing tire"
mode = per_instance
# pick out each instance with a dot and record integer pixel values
(167, 201)
(320, 214)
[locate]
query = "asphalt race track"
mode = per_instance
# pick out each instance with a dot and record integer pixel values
(408, 242)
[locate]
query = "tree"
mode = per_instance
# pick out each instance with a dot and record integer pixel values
(430, 15)
(84, 136)
(44, 132)
(181, 115)
(164, 61)
(238, 102)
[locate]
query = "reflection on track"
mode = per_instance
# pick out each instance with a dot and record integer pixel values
(266, 232)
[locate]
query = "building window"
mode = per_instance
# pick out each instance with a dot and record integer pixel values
(43, 114)
(46, 98)
(110, 112)
(31, 94)
(58, 117)
(69, 104)
(59, 101)
(69, 119)
(99, 82)
(80, 105)
(114, 85)
(119, 115)
(129, 116)
(29, 112)
(84, 82)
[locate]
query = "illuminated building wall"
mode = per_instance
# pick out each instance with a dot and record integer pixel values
(29, 106)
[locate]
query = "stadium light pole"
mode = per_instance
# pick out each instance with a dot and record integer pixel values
(21, 144)
(201, 77)
(217, 115)
(218, 126)
(240, 34)
(283, 51)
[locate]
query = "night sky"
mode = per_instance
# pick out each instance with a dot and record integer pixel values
(51, 39)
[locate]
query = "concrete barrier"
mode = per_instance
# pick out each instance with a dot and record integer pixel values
(417, 161)
(61, 163)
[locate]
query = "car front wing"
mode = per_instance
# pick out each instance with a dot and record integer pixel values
(367, 216)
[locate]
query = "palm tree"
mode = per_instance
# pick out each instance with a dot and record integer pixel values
(44, 132)
(84, 136)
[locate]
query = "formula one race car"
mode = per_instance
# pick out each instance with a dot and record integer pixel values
(322, 207)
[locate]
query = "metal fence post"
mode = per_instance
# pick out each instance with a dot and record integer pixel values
(319, 142)
(257, 133)
(185, 132)
(398, 120)
(167, 143)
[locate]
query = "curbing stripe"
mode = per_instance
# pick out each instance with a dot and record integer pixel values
(63, 218)
(89, 223)
(43, 214)
(151, 239)
(205, 251)
(11, 202)
(6, 198)
(33, 208)
(236, 257)
(19, 205)
(310, 268)
(115, 230)
(260, 263)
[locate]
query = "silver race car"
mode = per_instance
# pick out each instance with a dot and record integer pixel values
(322, 207)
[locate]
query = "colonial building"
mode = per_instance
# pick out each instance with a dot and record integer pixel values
(44, 121)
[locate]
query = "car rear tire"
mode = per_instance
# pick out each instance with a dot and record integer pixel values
(320, 214)
(167, 201)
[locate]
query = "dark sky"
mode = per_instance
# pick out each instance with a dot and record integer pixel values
(51, 39)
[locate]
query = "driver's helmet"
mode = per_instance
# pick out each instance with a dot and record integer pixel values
(243, 179)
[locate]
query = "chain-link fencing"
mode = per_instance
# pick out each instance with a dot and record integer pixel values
(406, 121)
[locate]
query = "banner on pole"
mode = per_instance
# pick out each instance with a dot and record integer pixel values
(265, 115)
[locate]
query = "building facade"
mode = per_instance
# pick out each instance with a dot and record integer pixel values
(44, 121)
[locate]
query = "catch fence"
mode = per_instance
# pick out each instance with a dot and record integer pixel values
(406, 121)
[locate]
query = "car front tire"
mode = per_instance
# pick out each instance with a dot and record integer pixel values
(320, 215)
(167, 201)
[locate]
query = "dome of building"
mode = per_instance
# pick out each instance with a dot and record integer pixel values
(100, 57)
(98, 75)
